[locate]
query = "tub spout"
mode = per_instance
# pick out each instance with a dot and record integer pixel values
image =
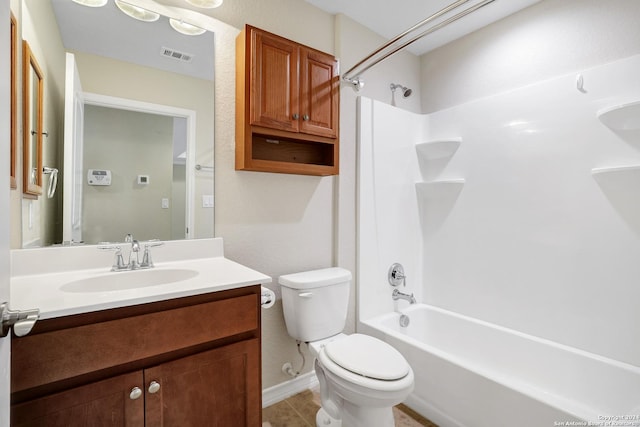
(400, 295)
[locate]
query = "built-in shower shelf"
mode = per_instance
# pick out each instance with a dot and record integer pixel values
(433, 150)
(439, 188)
(625, 117)
(615, 169)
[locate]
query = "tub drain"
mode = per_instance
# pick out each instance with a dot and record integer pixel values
(404, 320)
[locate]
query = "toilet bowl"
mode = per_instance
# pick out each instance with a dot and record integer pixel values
(361, 377)
(364, 378)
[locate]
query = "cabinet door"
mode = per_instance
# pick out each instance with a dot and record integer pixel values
(216, 388)
(319, 104)
(274, 82)
(100, 404)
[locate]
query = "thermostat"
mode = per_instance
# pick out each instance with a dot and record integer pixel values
(143, 179)
(98, 177)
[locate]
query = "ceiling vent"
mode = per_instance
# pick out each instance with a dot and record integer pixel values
(176, 54)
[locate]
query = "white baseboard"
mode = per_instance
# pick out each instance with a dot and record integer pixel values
(280, 392)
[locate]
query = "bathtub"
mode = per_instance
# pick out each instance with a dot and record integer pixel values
(476, 374)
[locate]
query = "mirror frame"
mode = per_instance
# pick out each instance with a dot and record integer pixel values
(14, 99)
(31, 189)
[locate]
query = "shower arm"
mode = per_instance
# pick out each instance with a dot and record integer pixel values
(383, 52)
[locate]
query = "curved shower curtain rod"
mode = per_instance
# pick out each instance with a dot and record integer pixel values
(405, 39)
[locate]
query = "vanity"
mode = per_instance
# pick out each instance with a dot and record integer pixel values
(176, 344)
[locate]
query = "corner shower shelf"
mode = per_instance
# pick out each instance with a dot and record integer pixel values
(440, 149)
(615, 169)
(439, 188)
(625, 117)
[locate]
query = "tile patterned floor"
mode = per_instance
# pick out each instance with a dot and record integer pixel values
(300, 411)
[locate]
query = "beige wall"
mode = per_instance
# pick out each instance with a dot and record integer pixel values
(15, 197)
(103, 76)
(128, 144)
(275, 223)
(281, 224)
(47, 48)
(110, 77)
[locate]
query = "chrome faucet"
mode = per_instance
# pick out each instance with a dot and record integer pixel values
(134, 262)
(396, 295)
(134, 253)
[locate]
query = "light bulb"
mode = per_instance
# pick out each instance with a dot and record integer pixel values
(137, 12)
(186, 28)
(205, 4)
(91, 3)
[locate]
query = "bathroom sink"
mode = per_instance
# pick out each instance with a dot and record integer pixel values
(126, 280)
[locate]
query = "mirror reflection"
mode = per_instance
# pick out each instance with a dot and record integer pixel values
(33, 89)
(155, 191)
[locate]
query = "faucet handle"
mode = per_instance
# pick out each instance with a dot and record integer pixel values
(118, 263)
(152, 243)
(396, 275)
(146, 258)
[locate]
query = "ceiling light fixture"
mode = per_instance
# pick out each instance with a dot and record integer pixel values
(137, 12)
(186, 28)
(91, 3)
(205, 4)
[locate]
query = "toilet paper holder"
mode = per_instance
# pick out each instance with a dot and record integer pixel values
(267, 297)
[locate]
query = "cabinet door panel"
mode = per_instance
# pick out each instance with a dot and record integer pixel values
(216, 388)
(101, 404)
(274, 82)
(319, 82)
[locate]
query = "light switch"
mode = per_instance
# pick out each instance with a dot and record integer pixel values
(207, 200)
(165, 203)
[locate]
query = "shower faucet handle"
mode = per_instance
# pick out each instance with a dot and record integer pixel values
(396, 275)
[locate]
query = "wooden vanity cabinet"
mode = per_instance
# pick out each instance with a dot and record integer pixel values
(287, 106)
(193, 361)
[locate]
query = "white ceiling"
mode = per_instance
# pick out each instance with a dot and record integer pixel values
(106, 31)
(390, 18)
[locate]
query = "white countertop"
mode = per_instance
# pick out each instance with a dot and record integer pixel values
(46, 291)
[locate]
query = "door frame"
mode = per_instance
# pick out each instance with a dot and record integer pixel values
(5, 172)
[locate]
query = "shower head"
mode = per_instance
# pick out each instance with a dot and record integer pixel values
(406, 92)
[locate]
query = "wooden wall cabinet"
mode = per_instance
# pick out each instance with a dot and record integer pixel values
(287, 106)
(189, 362)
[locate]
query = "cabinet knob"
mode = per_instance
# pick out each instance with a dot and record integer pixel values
(305, 118)
(154, 387)
(295, 117)
(135, 393)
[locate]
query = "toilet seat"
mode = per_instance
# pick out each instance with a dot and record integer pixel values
(367, 385)
(368, 357)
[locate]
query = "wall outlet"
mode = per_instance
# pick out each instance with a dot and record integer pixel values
(165, 203)
(207, 201)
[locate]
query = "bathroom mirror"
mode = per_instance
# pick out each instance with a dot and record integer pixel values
(33, 90)
(14, 99)
(147, 68)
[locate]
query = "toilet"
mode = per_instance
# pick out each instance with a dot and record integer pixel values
(361, 377)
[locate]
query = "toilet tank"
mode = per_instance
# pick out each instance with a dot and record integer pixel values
(316, 302)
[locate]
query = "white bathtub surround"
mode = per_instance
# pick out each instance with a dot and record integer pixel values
(65, 276)
(553, 381)
(531, 225)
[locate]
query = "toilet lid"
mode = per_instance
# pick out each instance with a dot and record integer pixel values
(368, 356)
